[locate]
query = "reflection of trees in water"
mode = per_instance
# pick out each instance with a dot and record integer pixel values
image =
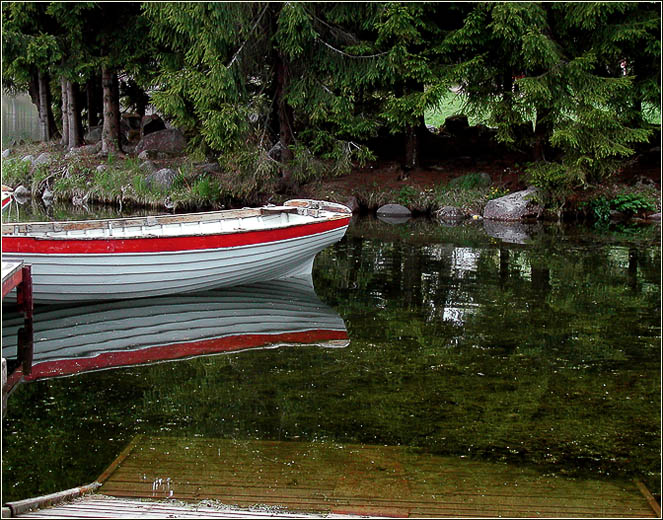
(563, 333)
(558, 290)
(555, 363)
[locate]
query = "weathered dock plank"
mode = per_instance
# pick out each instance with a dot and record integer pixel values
(99, 506)
(12, 276)
(328, 478)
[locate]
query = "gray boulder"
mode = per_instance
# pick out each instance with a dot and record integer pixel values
(93, 135)
(148, 166)
(102, 168)
(29, 158)
(162, 178)
(394, 214)
(208, 167)
(393, 210)
(6, 153)
(509, 232)
(150, 124)
(152, 154)
(43, 158)
(393, 220)
(451, 214)
(89, 149)
(21, 192)
(170, 140)
(655, 217)
(47, 195)
(513, 207)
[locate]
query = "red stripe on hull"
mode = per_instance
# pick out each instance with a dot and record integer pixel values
(164, 244)
(66, 367)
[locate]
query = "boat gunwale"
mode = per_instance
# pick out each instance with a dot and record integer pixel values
(149, 236)
(32, 229)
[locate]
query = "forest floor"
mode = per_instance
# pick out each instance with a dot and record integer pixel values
(385, 182)
(423, 190)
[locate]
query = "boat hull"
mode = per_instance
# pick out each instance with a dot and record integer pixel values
(81, 270)
(6, 200)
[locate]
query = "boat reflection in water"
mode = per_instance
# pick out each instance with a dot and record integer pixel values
(71, 339)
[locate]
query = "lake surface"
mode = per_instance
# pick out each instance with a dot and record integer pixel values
(543, 354)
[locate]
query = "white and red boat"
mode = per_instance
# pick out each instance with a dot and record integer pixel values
(167, 254)
(70, 339)
(7, 194)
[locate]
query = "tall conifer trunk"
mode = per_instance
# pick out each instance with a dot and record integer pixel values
(412, 147)
(413, 132)
(286, 119)
(94, 95)
(65, 113)
(53, 128)
(110, 134)
(542, 133)
(73, 115)
(44, 127)
(33, 90)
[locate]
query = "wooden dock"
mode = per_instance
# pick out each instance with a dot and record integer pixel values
(100, 506)
(326, 479)
(16, 275)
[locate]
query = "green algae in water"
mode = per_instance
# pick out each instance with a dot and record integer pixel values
(544, 354)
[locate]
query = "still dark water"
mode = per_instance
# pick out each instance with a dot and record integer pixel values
(543, 354)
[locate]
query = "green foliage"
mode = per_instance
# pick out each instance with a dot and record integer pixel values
(554, 182)
(15, 171)
(406, 195)
(73, 184)
(29, 45)
(558, 65)
(632, 203)
(206, 189)
(470, 181)
(599, 208)
(628, 202)
(496, 192)
(578, 84)
(451, 104)
(470, 199)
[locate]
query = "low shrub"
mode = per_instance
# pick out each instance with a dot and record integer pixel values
(471, 181)
(15, 171)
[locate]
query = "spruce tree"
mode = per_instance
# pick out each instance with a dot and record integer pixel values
(267, 86)
(569, 71)
(30, 54)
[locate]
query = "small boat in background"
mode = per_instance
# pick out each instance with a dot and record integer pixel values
(141, 257)
(75, 338)
(7, 196)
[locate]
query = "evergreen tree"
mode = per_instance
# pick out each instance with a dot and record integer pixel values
(415, 76)
(30, 53)
(558, 66)
(101, 39)
(262, 81)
